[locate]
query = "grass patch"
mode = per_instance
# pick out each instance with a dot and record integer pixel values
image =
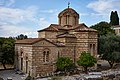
(56, 78)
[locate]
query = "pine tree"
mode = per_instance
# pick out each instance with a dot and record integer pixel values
(114, 19)
(111, 17)
(117, 18)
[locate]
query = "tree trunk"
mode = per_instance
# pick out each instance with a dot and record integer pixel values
(86, 70)
(4, 65)
(111, 64)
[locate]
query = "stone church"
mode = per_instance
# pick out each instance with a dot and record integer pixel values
(68, 38)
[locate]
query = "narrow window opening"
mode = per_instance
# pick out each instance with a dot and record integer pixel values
(46, 53)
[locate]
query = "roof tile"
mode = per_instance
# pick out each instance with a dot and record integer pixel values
(28, 41)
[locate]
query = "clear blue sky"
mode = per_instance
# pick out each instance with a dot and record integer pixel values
(28, 16)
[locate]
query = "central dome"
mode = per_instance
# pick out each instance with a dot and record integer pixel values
(70, 11)
(68, 17)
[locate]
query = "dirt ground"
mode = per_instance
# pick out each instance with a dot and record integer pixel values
(11, 74)
(7, 66)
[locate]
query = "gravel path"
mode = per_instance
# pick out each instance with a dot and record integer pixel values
(10, 73)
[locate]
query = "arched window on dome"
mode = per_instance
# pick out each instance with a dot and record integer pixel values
(68, 17)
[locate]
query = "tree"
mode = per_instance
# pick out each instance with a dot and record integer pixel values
(64, 63)
(114, 19)
(21, 36)
(86, 60)
(109, 48)
(103, 28)
(6, 51)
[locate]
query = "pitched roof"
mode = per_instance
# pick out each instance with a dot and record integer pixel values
(83, 27)
(79, 27)
(34, 40)
(52, 27)
(28, 41)
(66, 35)
(116, 27)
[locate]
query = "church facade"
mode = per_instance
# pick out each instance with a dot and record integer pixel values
(68, 38)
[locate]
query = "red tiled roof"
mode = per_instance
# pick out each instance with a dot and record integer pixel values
(52, 27)
(34, 40)
(116, 26)
(28, 41)
(83, 27)
(66, 35)
(79, 27)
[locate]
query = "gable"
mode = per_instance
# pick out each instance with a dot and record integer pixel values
(44, 43)
(52, 27)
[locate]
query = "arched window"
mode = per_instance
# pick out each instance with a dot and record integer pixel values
(21, 52)
(47, 56)
(92, 49)
(44, 56)
(21, 58)
(46, 53)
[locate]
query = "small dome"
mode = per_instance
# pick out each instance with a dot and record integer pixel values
(69, 11)
(68, 17)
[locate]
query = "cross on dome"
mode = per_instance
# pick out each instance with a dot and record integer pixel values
(68, 4)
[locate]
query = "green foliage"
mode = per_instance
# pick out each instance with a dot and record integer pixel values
(64, 63)
(114, 19)
(86, 60)
(103, 28)
(109, 48)
(21, 36)
(6, 51)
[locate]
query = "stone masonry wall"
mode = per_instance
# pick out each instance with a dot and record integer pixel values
(40, 67)
(24, 52)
